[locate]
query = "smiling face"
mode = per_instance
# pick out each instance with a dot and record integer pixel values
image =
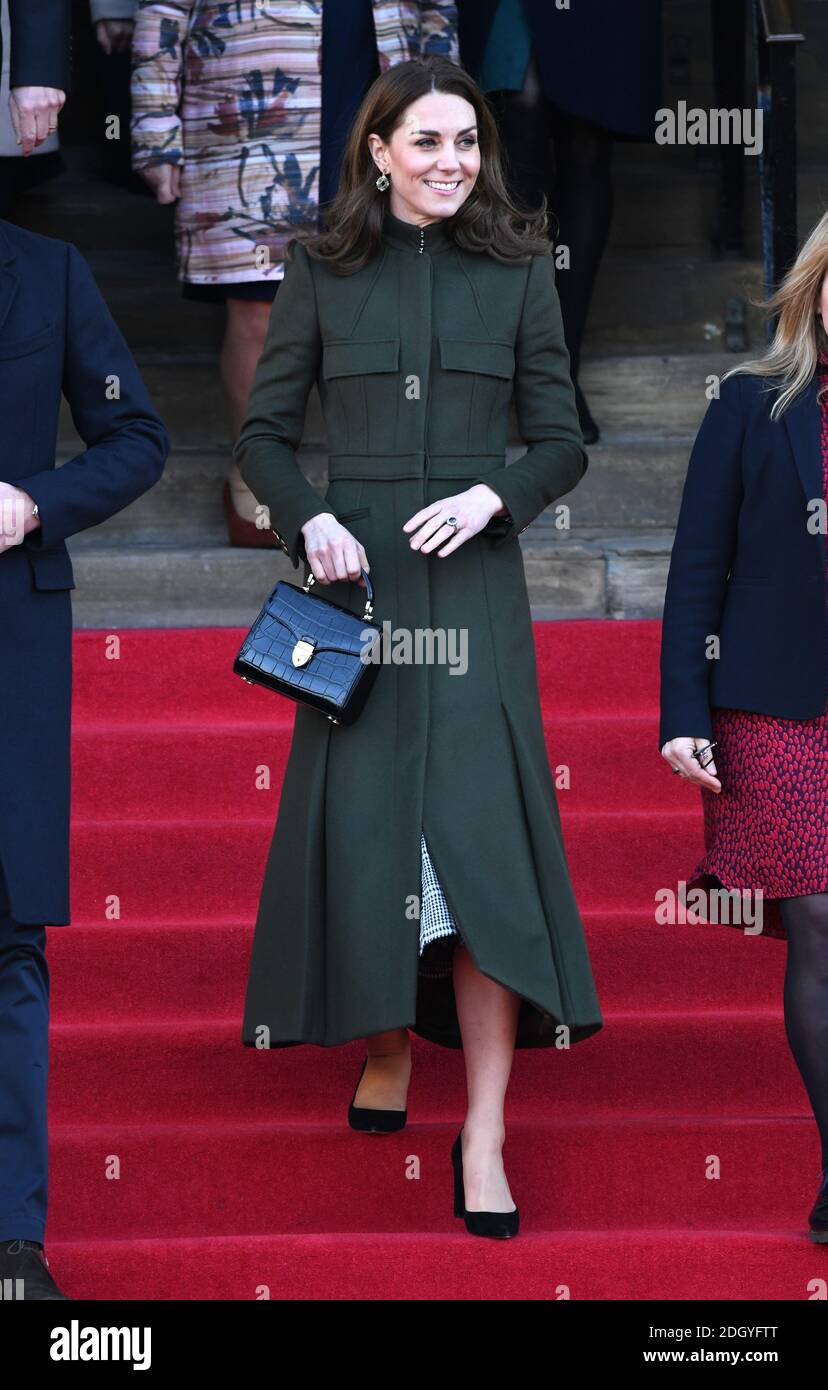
(432, 158)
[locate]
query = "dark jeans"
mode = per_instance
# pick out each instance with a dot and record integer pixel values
(24, 1066)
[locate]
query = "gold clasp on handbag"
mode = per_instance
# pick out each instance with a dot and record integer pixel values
(302, 652)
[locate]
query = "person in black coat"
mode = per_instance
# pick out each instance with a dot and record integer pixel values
(564, 84)
(56, 337)
(744, 660)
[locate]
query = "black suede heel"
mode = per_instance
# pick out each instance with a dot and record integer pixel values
(369, 1121)
(500, 1224)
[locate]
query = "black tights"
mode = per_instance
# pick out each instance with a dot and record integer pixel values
(568, 159)
(806, 999)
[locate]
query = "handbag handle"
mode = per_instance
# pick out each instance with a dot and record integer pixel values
(369, 593)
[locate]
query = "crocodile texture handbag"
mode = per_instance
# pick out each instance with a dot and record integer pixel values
(312, 650)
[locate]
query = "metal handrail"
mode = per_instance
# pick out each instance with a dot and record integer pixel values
(778, 19)
(776, 33)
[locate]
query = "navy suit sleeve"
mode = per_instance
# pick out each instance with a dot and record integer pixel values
(703, 550)
(39, 40)
(127, 443)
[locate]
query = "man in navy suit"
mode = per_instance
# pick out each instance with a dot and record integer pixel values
(56, 338)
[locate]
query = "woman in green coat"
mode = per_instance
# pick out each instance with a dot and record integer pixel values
(417, 877)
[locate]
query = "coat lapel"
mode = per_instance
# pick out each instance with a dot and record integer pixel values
(8, 279)
(803, 423)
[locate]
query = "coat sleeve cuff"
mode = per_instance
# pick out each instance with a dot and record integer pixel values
(504, 528)
(38, 488)
(289, 531)
(40, 43)
(688, 719)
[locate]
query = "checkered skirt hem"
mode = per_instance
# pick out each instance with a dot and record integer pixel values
(435, 916)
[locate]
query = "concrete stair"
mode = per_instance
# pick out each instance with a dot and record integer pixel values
(655, 334)
(658, 316)
(166, 559)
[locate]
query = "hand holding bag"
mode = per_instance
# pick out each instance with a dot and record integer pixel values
(312, 650)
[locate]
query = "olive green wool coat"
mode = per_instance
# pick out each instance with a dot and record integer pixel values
(416, 357)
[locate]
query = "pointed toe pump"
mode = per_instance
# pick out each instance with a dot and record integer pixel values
(500, 1224)
(369, 1121)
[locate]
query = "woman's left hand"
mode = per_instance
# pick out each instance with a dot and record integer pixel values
(472, 509)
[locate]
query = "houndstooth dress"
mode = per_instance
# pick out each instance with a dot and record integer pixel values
(435, 916)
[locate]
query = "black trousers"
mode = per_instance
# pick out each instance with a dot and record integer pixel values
(24, 1067)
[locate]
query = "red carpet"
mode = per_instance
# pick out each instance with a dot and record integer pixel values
(185, 1166)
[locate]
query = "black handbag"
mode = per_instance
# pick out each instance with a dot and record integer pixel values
(312, 650)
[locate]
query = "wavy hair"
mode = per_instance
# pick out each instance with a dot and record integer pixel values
(800, 336)
(488, 221)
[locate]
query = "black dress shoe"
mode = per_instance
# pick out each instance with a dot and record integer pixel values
(24, 1272)
(500, 1224)
(818, 1220)
(374, 1121)
(589, 429)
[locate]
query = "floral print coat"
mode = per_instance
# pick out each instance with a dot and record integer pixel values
(233, 93)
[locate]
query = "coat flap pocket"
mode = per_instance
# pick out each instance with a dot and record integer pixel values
(353, 357)
(477, 355)
(52, 569)
(21, 347)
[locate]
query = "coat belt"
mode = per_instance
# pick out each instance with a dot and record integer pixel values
(387, 467)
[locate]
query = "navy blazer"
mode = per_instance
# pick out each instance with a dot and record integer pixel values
(747, 566)
(56, 337)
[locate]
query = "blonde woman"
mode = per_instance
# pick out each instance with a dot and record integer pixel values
(748, 569)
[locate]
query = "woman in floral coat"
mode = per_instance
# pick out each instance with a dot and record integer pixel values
(228, 123)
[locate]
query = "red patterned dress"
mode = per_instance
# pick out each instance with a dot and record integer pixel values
(768, 827)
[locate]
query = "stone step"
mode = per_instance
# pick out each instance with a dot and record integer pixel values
(655, 332)
(657, 288)
(596, 575)
(664, 196)
(635, 485)
(663, 302)
(185, 506)
(646, 299)
(654, 397)
(650, 408)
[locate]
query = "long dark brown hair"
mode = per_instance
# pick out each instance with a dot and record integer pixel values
(488, 221)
